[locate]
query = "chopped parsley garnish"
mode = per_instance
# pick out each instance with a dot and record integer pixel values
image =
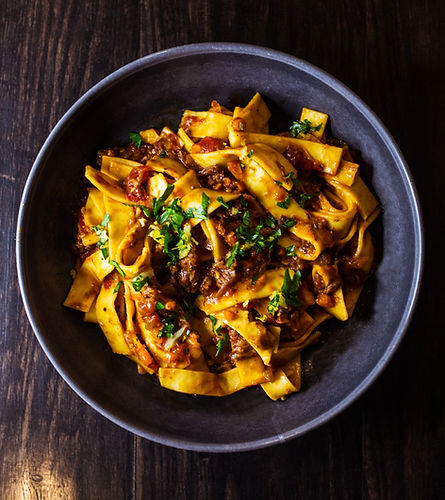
(213, 320)
(116, 288)
(275, 302)
(222, 344)
(303, 127)
(285, 204)
(159, 306)
(250, 153)
(101, 231)
(241, 164)
(243, 202)
(287, 296)
(218, 331)
(146, 211)
(233, 254)
(117, 267)
(136, 139)
(305, 197)
(279, 183)
(174, 214)
(201, 211)
(168, 327)
(254, 279)
(186, 239)
(163, 154)
(290, 251)
(159, 202)
(270, 222)
(290, 288)
(288, 223)
(223, 203)
(291, 176)
(139, 282)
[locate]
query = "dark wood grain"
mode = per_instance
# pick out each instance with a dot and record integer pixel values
(389, 444)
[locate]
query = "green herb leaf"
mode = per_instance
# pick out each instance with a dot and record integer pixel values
(139, 282)
(163, 154)
(241, 164)
(270, 222)
(243, 202)
(288, 223)
(223, 203)
(303, 127)
(213, 320)
(279, 183)
(159, 306)
(222, 344)
(117, 267)
(136, 139)
(284, 204)
(200, 212)
(290, 251)
(158, 203)
(276, 301)
(116, 288)
(146, 211)
(291, 176)
(184, 244)
(254, 279)
(233, 254)
(168, 329)
(250, 153)
(305, 197)
(104, 251)
(290, 288)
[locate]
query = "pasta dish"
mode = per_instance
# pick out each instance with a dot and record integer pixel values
(210, 256)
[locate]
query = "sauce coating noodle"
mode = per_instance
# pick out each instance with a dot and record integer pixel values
(210, 256)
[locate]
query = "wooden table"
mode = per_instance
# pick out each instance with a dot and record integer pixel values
(389, 444)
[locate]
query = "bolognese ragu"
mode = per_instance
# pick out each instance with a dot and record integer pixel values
(210, 256)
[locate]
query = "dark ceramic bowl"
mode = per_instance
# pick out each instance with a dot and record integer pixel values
(153, 91)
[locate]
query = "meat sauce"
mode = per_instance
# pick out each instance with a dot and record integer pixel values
(198, 272)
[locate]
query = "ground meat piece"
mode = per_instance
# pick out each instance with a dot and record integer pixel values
(190, 271)
(141, 154)
(299, 160)
(219, 179)
(240, 347)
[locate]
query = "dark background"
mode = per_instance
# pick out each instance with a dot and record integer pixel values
(390, 443)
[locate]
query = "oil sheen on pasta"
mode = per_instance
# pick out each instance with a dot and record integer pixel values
(210, 256)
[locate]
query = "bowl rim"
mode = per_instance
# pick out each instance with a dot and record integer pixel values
(268, 54)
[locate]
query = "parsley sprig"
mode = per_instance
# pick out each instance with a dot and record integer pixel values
(287, 295)
(168, 327)
(136, 139)
(101, 231)
(248, 238)
(303, 127)
(171, 229)
(222, 344)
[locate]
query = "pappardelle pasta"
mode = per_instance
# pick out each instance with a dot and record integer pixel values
(210, 256)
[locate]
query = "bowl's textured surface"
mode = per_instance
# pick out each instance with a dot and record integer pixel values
(153, 91)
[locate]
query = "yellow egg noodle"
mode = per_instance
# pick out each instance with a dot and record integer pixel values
(210, 256)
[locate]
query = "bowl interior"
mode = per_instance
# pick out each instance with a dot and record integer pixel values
(153, 92)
